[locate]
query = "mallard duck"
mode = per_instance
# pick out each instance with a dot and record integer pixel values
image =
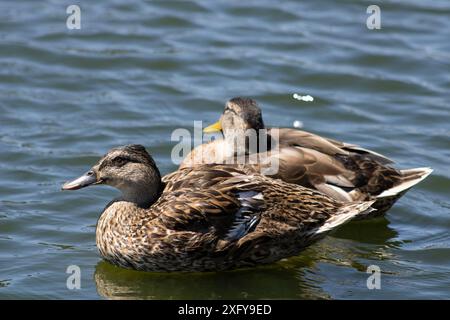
(341, 170)
(205, 218)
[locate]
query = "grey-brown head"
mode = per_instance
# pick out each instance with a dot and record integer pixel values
(128, 168)
(240, 114)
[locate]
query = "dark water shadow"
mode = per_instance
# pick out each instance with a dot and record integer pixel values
(277, 281)
(374, 231)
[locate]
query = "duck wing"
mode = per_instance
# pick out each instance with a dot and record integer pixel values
(226, 202)
(214, 199)
(294, 137)
(309, 168)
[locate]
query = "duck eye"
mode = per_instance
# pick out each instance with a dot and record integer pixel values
(90, 173)
(119, 161)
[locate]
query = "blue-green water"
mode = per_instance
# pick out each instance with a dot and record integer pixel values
(137, 70)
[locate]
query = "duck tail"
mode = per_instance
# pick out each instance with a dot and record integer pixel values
(346, 213)
(409, 178)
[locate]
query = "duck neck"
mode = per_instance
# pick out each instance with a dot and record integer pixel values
(143, 192)
(140, 196)
(247, 142)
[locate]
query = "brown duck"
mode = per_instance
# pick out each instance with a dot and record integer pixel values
(205, 218)
(343, 171)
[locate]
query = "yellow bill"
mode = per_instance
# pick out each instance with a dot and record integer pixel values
(213, 128)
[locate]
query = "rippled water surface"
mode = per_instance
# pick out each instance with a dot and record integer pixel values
(139, 69)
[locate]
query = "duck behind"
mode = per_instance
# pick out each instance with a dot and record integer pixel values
(341, 170)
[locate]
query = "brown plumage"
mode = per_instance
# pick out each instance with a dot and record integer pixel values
(343, 171)
(205, 218)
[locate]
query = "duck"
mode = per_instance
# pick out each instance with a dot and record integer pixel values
(211, 217)
(344, 171)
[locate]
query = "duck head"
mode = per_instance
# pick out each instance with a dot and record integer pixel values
(242, 126)
(128, 168)
(240, 114)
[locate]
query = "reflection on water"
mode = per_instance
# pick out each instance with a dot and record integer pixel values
(270, 282)
(374, 231)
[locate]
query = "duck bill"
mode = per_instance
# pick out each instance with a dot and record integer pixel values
(88, 179)
(216, 127)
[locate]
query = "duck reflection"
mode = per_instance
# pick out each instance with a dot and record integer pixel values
(356, 245)
(374, 232)
(278, 281)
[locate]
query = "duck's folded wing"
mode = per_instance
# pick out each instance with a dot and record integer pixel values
(299, 138)
(360, 150)
(293, 137)
(220, 204)
(312, 168)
